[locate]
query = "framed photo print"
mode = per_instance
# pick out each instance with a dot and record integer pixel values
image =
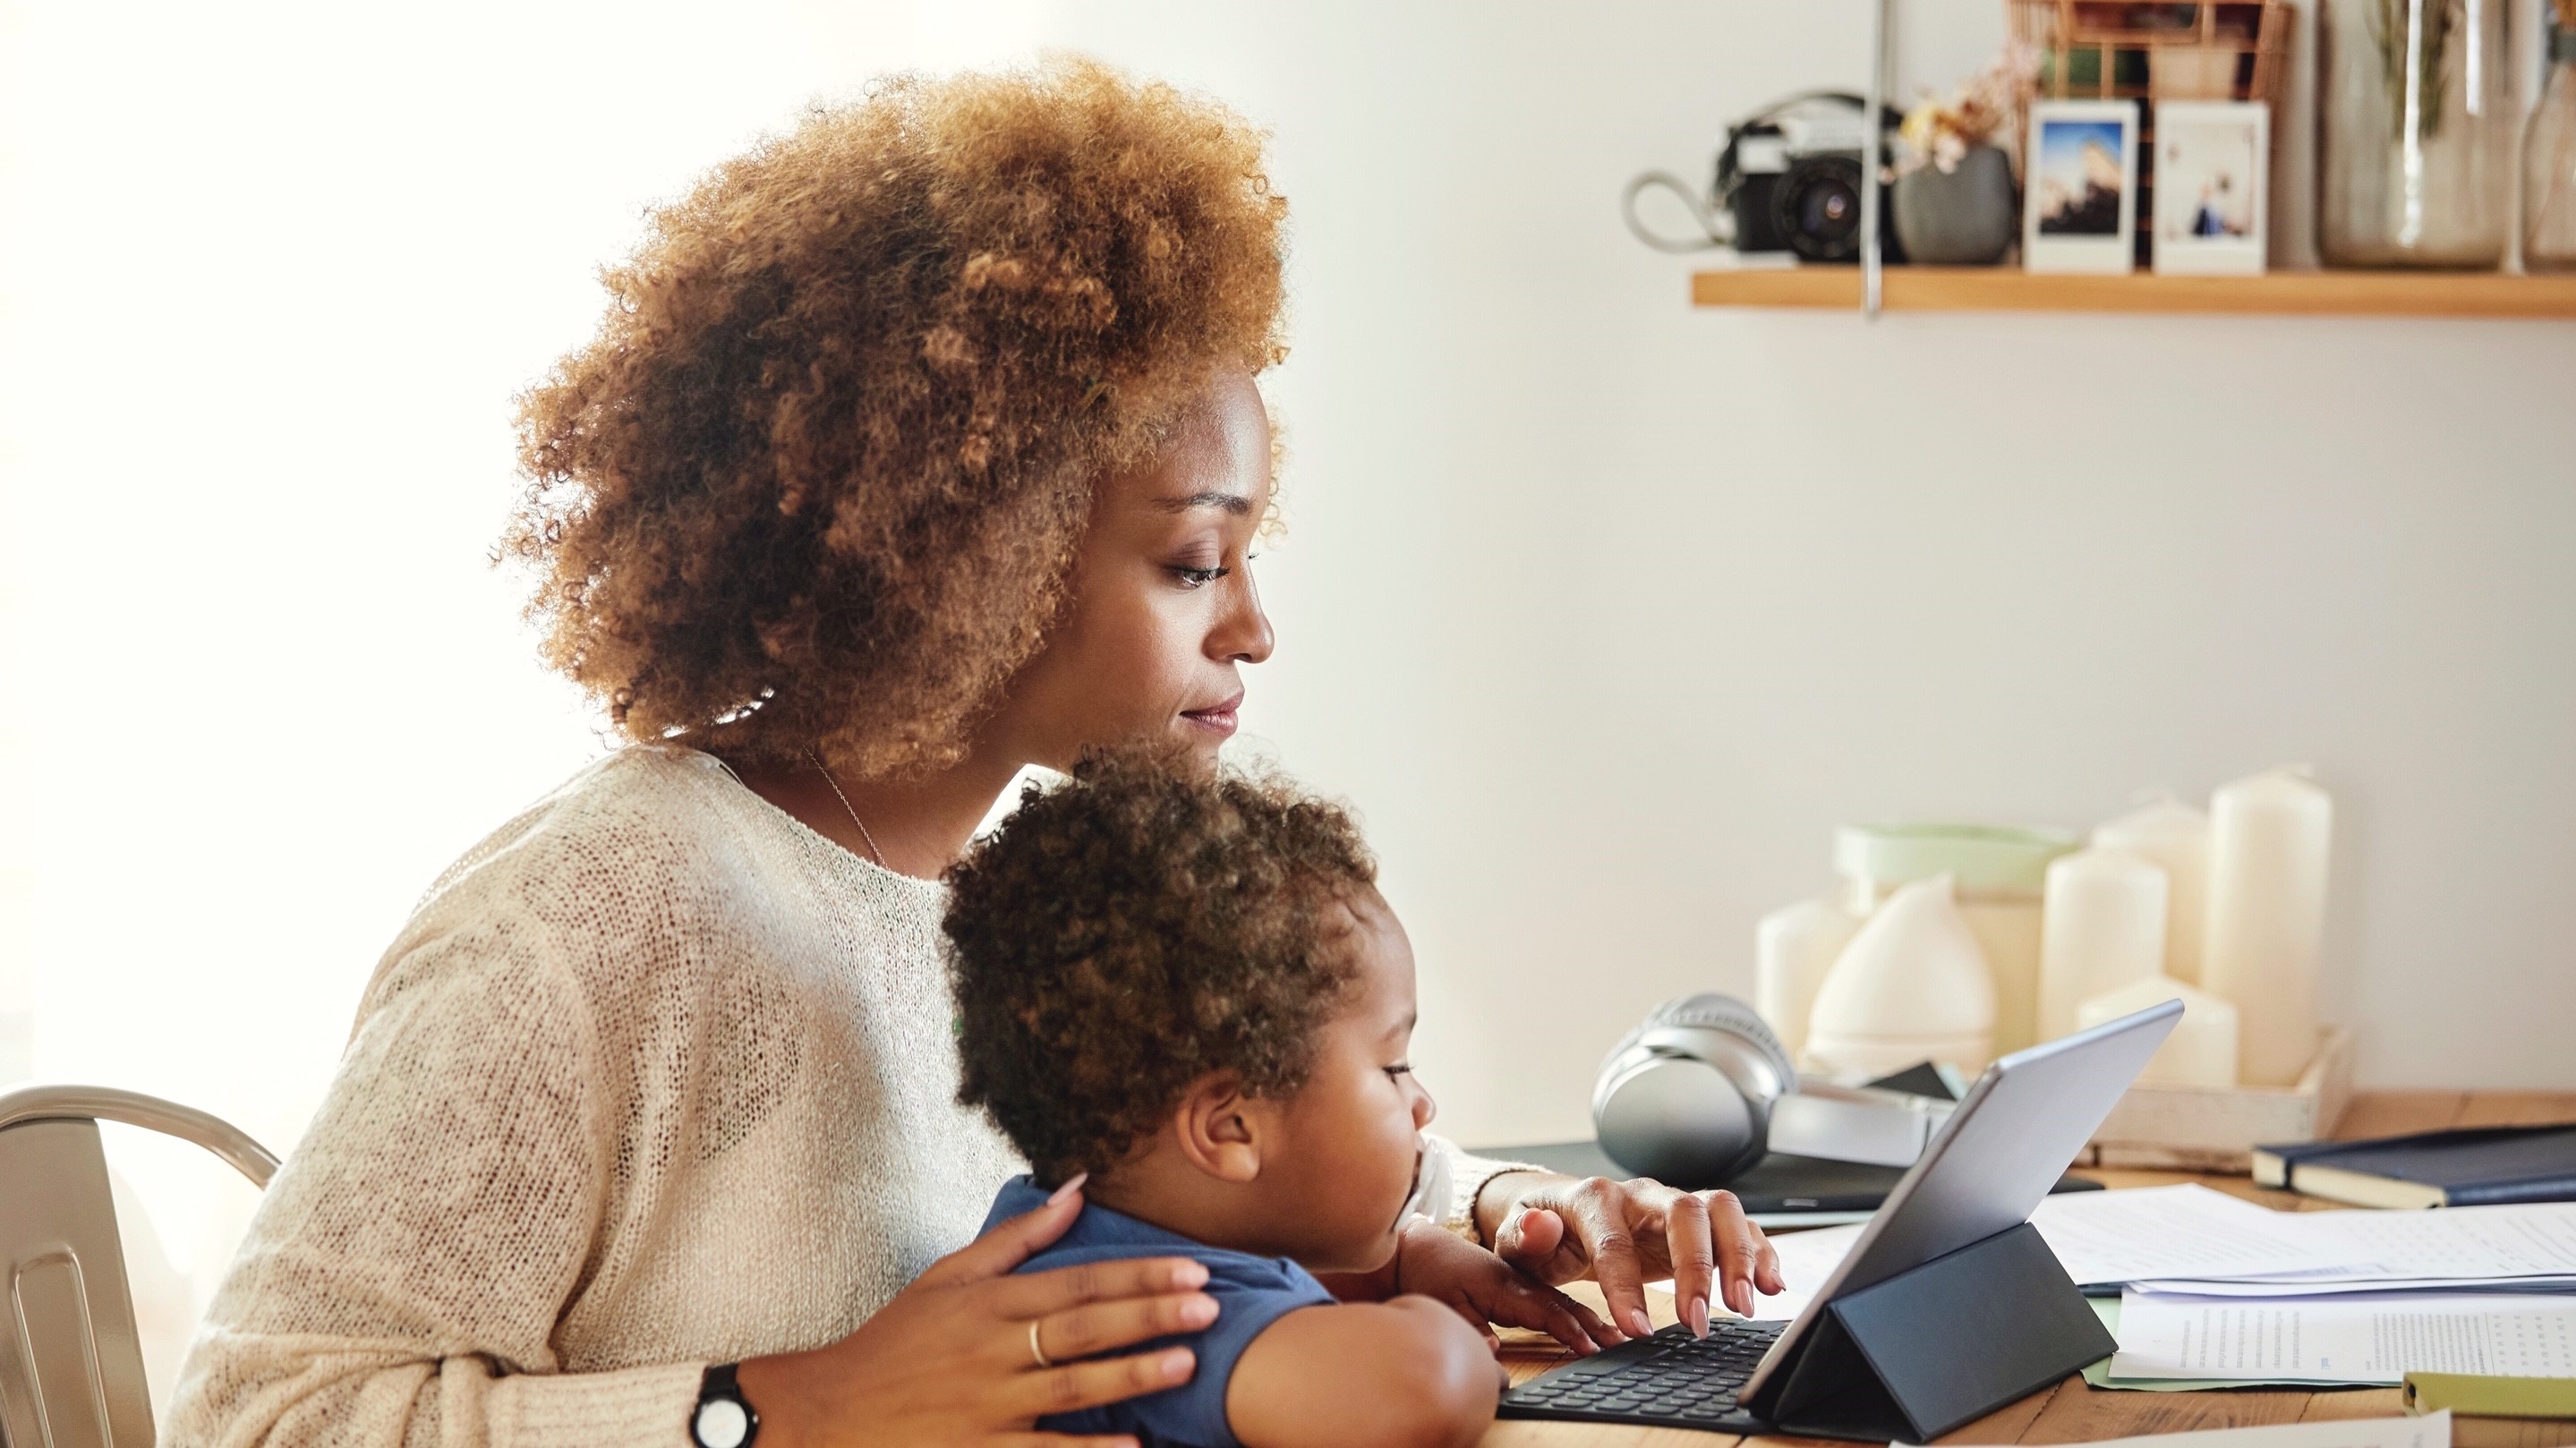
(2082, 187)
(2212, 192)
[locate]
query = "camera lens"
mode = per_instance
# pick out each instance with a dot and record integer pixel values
(1828, 211)
(1817, 207)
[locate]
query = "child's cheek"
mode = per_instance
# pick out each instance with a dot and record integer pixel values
(1379, 1159)
(1399, 1152)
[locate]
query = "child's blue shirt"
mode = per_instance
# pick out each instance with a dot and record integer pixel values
(1251, 1293)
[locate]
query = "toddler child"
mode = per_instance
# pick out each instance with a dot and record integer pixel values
(1188, 990)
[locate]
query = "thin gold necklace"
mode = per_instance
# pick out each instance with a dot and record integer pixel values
(826, 771)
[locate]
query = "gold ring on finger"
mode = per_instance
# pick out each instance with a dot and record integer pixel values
(1035, 1350)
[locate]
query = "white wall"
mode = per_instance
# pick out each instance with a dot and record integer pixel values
(1604, 610)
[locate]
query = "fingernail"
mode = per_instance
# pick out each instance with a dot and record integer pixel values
(1198, 1312)
(1176, 1364)
(1072, 1184)
(1640, 1324)
(1699, 1314)
(1188, 1274)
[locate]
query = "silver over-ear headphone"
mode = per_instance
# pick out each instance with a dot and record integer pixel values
(1687, 1096)
(1702, 1090)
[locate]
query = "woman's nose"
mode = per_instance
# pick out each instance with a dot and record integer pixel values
(1243, 634)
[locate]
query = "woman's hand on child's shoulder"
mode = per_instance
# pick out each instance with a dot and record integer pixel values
(972, 1354)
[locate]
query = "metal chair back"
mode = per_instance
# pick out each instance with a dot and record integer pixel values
(71, 1367)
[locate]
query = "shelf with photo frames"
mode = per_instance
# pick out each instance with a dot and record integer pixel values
(2250, 71)
(2285, 293)
(2096, 59)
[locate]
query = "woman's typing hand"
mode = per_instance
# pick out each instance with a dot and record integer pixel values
(1478, 1286)
(1626, 1234)
(948, 1360)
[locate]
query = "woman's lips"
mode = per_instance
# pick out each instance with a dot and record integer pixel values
(1217, 718)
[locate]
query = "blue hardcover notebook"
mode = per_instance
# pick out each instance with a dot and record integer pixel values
(2475, 1167)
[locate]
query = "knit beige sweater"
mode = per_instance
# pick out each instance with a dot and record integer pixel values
(654, 1077)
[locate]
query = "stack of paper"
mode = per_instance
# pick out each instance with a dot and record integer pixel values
(2489, 1249)
(2106, 1239)
(2216, 1291)
(2344, 1297)
(2433, 1430)
(2348, 1339)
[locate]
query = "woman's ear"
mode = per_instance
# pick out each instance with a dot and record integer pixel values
(1221, 1131)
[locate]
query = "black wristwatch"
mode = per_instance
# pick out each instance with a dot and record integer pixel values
(722, 1419)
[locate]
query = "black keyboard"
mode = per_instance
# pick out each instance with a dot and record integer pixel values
(1671, 1380)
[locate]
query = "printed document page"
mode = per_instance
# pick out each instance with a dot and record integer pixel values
(2518, 1241)
(2184, 1231)
(2344, 1339)
(1806, 1260)
(2500, 1244)
(2433, 1430)
(2323, 1286)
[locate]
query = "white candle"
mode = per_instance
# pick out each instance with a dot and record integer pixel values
(2173, 837)
(1912, 986)
(2268, 843)
(1793, 947)
(2202, 1049)
(2103, 925)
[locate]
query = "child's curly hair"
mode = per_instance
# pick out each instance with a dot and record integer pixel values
(1128, 932)
(819, 479)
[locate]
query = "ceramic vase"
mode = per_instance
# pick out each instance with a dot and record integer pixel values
(1957, 218)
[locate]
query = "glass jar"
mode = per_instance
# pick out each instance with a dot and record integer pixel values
(2416, 133)
(2549, 162)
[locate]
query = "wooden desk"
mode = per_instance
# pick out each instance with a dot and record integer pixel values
(2073, 1412)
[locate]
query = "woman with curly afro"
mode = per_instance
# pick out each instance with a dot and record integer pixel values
(918, 445)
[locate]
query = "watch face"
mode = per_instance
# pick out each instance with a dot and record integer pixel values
(722, 1423)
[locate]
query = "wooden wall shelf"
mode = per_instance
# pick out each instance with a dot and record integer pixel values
(2006, 289)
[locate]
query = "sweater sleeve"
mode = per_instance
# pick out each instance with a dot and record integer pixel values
(404, 1275)
(1468, 1175)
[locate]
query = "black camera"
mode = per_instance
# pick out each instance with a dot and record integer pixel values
(1791, 178)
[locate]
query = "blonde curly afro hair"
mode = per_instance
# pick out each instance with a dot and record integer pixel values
(818, 481)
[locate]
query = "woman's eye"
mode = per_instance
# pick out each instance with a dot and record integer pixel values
(1199, 577)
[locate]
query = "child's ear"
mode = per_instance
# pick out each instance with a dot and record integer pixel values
(1221, 1131)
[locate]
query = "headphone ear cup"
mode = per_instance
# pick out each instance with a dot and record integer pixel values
(1711, 1010)
(1670, 1112)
